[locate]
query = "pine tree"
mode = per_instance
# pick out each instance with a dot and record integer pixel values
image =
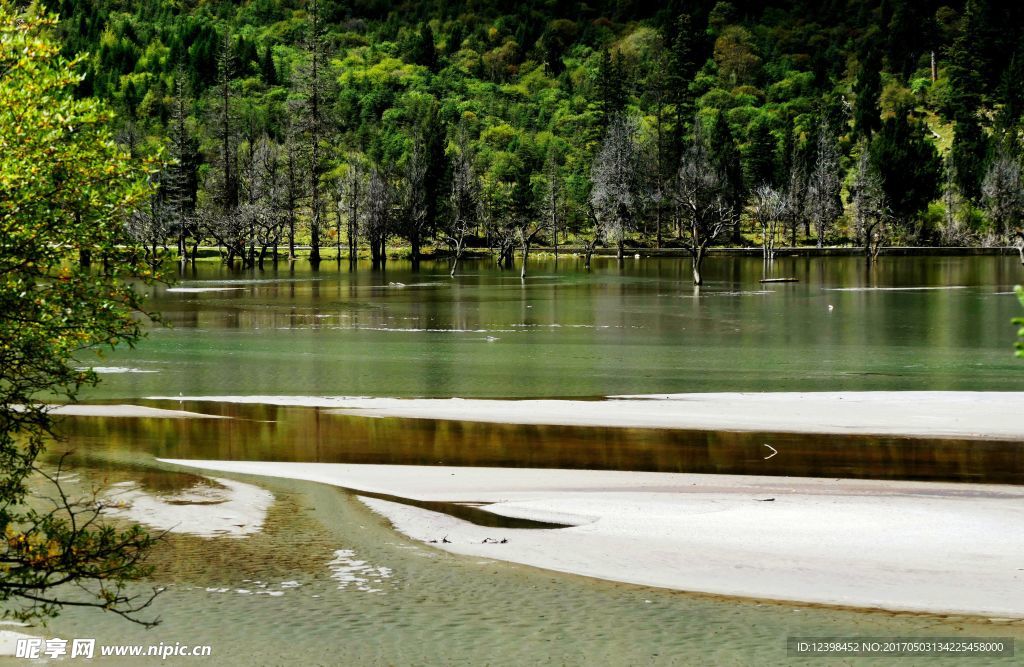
(969, 156)
(759, 163)
(267, 70)
(612, 87)
(868, 90)
(683, 45)
(909, 165)
(227, 195)
(424, 52)
(966, 66)
(181, 182)
(310, 122)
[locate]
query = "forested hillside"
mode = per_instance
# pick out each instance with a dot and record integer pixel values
(506, 124)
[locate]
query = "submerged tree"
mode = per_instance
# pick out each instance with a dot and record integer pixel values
(702, 195)
(1003, 192)
(824, 185)
(869, 206)
(616, 193)
(351, 190)
(310, 121)
(464, 201)
(1019, 321)
(65, 188)
(768, 209)
(381, 201)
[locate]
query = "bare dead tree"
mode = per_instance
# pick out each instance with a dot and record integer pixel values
(795, 194)
(250, 201)
(871, 212)
(263, 189)
(464, 199)
(416, 205)
(591, 244)
(768, 207)
(824, 185)
(292, 184)
(1002, 193)
(151, 224)
(700, 194)
(382, 200)
(616, 194)
(527, 229)
(351, 196)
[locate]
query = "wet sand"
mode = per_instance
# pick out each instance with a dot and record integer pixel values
(138, 411)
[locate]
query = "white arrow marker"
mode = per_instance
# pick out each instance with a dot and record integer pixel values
(774, 451)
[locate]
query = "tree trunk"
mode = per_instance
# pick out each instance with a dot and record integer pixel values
(658, 224)
(867, 244)
(458, 255)
(291, 235)
(698, 262)
(526, 255)
(337, 230)
(414, 242)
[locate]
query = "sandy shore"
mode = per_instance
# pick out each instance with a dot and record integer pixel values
(912, 546)
(138, 411)
(952, 414)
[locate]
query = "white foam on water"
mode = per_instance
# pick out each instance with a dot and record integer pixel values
(348, 571)
(894, 289)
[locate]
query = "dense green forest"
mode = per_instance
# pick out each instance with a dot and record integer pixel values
(446, 125)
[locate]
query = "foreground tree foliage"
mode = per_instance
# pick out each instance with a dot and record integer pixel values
(66, 191)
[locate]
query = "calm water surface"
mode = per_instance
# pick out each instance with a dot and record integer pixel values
(911, 323)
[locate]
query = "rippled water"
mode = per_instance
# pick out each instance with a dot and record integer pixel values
(328, 582)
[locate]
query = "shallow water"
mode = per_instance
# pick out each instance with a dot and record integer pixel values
(329, 582)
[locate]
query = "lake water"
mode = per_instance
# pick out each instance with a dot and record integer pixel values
(329, 582)
(909, 323)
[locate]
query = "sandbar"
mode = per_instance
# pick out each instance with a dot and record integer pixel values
(902, 546)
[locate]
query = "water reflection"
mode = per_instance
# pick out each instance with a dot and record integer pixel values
(274, 433)
(572, 333)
